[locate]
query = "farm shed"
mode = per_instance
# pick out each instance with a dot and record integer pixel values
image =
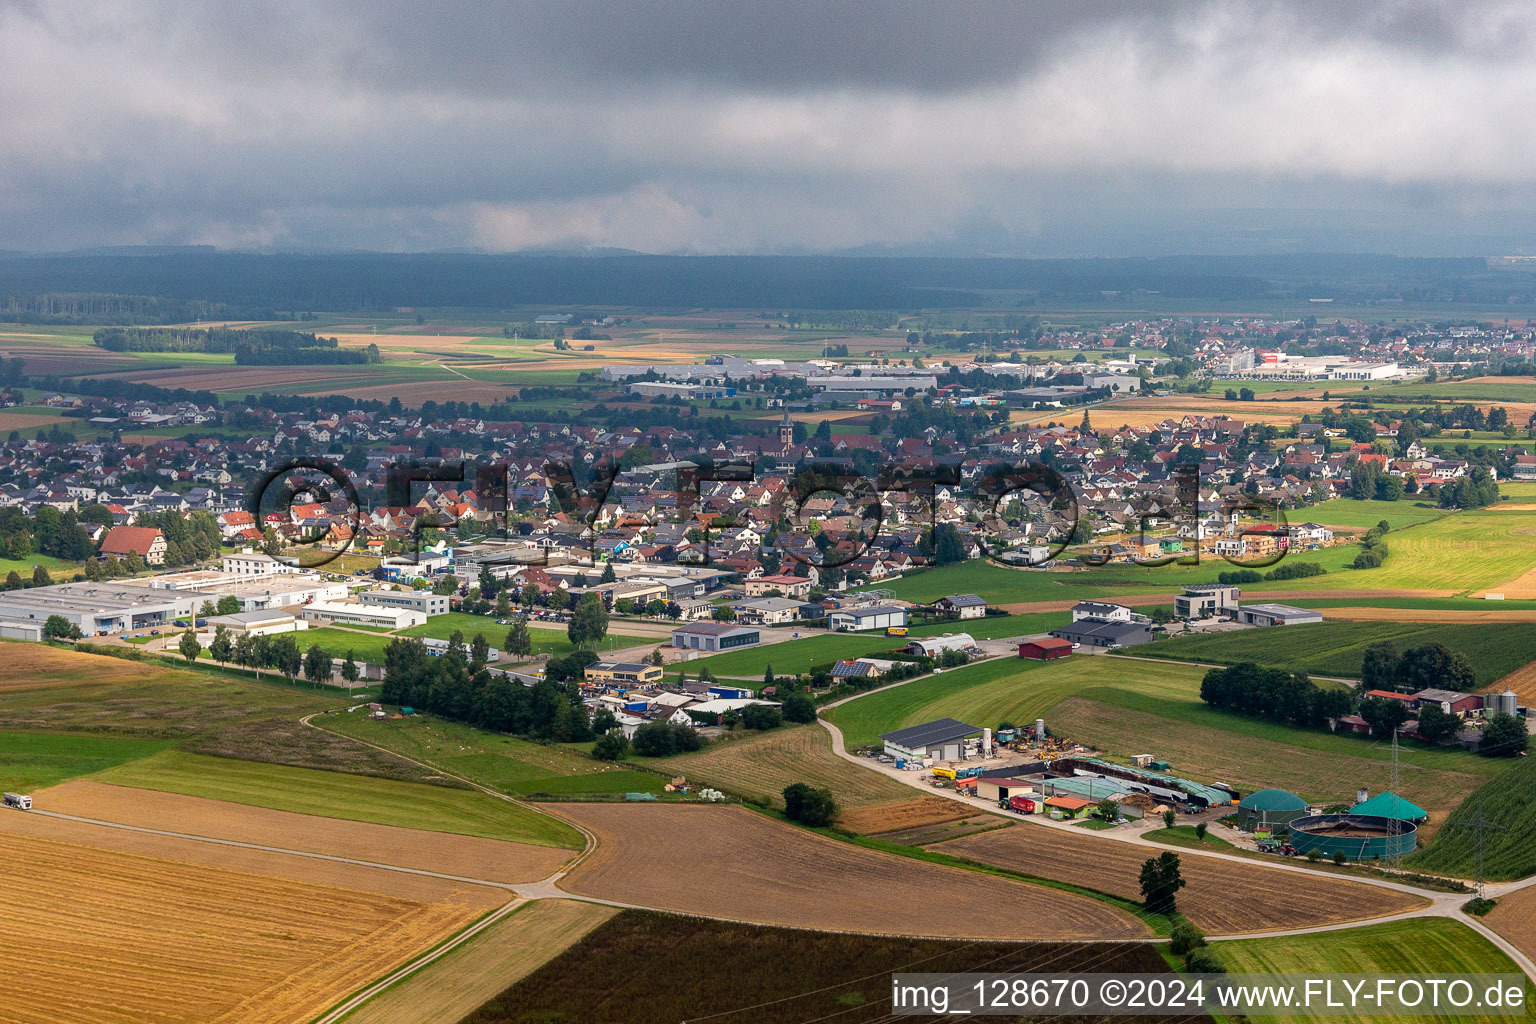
(1277, 615)
(1390, 805)
(942, 740)
(1455, 702)
(1068, 807)
(1269, 809)
(1047, 649)
(858, 620)
(928, 646)
(1090, 633)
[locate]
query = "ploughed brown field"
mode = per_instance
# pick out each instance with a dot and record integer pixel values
(747, 867)
(89, 933)
(921, 811)
(1222, 897)
(468, 856)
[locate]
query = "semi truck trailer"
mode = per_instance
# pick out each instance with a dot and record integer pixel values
(20, 801)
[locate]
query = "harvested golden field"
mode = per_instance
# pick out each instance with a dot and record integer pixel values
(453, 987)
(35, 667)
(1522, 680)
(382, 881)
(752, 868)
(1515, 919)
(921, 810)
(762, 764)
(469, 856)
(113, 938)
(1222, 897)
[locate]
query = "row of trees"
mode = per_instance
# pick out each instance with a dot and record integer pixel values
(1418, 668)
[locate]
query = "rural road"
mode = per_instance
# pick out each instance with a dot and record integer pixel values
(1442, 904)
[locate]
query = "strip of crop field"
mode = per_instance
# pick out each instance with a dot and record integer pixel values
(351, 797)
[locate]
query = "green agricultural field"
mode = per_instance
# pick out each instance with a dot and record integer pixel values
(350, 797)
(1469, 551)
(1495, 649)
(1366, 514)
(1458, 391)
(1421, 947)
(33, 760)
(504, 763)
(1508, 800)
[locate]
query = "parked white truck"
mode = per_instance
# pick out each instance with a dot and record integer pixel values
(20, 801)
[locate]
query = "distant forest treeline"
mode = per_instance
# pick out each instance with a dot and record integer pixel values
(387, 282)
(258, 347)
(102, 308)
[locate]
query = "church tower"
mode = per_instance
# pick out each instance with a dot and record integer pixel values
(786, 432)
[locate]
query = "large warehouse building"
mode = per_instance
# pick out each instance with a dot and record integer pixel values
(943, 740)
(99, 608)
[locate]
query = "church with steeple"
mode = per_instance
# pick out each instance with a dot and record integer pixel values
(786, 433)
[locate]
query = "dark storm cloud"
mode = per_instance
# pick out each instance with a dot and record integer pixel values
(1054, 127)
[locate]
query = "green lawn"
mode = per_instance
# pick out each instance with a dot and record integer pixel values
(504, 763)
(1184, 835)
(58, 570)
(1495, 649)
(1366, 514)
(994, 627)
(350, 797)
(554, 642)
(1425, 946)
(33, 760)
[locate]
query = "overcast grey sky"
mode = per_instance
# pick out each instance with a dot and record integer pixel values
(810, 125)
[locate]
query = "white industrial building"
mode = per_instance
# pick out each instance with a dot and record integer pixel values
(875, 616)
(256, 623)
(363, 615)
(943, 740)
(423, 601)
(99, 608)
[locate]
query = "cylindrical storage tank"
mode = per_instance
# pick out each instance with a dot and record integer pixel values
(1356, 836)
(1040, 729)
(1507, 703)
(1269, 810)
